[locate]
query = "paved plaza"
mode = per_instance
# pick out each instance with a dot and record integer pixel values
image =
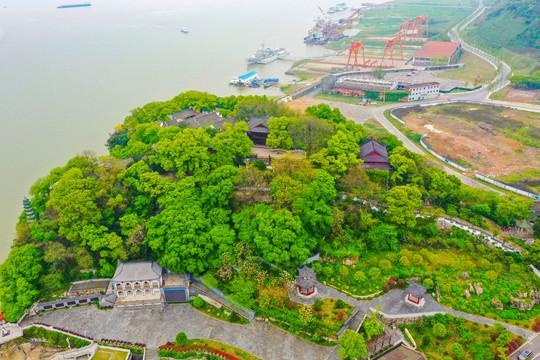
(156, 326)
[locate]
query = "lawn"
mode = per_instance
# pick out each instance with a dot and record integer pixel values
(454, 269)
(474, 72)
(219, 313)
(339, 98)
(512, 94)
(110, 354)
(438, 335)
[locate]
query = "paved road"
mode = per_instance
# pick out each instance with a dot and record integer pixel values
(533, 344)
(155, 327)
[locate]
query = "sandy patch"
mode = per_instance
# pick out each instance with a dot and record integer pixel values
(432, 128)
(480, 144)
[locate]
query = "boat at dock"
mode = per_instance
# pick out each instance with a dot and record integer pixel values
(252, 79)
(245, 79)
(70, 6)
(184, 30)
(266, 55)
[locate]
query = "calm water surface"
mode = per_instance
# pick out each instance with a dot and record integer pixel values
(68, 76)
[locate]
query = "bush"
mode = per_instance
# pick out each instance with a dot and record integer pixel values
(259, 164)
(54, 338)
(439, 330)
(181, 339)
(428, 283)
(340, 304)
(457, 350)
(426, 340)
(198, 302)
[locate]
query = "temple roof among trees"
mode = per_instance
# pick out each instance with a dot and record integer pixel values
(137, 271)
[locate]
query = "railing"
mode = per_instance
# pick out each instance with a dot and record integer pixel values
(199, 288)
(507, 187)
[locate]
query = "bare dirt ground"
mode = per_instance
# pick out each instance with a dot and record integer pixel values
(520, 95)
(301, 104)
(482, 136)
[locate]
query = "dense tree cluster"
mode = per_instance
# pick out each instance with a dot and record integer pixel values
(175, 195)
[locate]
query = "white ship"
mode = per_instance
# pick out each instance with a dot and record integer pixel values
(266, 55)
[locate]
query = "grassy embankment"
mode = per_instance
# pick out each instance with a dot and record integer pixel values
(221, 313)
(474, 72)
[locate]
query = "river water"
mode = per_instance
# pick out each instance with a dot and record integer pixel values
(67, 76)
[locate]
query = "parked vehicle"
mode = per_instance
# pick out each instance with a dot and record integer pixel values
(525, 354)
(5, 332)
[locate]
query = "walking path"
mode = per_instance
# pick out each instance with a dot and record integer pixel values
(393, 305)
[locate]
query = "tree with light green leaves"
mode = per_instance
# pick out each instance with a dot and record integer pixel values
(352, 346)
(314, 205)
(340, 155)
(402, 202)
(373, 327)
(277, 235)
(19, 276)
(279, 136)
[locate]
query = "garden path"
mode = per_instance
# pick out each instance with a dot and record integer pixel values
(393, 305)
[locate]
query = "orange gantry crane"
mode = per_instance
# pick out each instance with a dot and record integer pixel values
(422, 27)
(415, 30)
(354, 49)
(392, 45)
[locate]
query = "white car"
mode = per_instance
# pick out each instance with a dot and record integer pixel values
(5, 332)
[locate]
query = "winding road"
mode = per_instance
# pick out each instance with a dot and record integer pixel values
(482, 96)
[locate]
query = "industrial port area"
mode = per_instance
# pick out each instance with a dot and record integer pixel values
(404, 65)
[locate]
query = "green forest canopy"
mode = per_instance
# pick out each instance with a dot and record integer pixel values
(169, 194)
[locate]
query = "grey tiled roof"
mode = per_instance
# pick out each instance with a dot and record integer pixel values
(137, 271)
(416, 290)
(306, 277)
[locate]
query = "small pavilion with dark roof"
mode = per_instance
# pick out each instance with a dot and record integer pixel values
(258, 130)
(375, 156)
(306, 282)
(415, 295)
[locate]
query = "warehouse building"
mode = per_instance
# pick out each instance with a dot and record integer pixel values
(438, 53)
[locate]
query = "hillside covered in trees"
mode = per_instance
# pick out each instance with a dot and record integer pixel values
(174, 194)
